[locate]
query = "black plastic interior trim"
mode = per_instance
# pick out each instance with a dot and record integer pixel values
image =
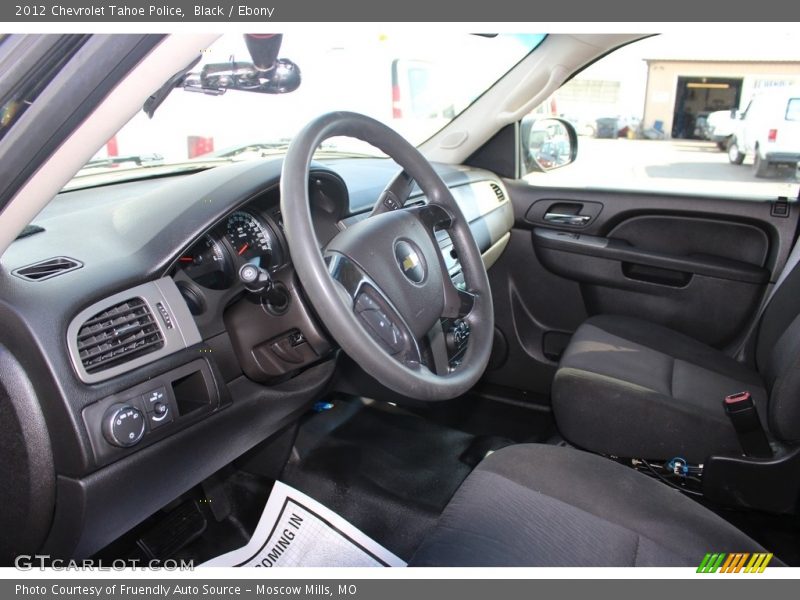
(768, 485)
(499, 154)
(619, 206)
(619, 250)
(27, 494)
(94, 510)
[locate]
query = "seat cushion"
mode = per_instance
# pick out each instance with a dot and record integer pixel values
(630, 388)
(548, 506)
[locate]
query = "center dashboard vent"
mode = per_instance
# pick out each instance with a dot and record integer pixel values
(498, 191)
(118, 334)
(45, 269)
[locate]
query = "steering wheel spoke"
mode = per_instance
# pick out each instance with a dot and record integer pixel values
(435, 217)
(458, 303)
(373, 309)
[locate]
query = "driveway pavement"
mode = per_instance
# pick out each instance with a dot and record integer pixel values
(681, 166)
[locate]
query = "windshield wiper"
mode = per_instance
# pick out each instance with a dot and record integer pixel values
(93, 177)
(341, 153)
(260, 148)
(265, 149)
(140, 160)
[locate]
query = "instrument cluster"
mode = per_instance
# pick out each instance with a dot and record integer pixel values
(246, 236)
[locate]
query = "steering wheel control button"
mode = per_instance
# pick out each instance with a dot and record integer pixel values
(391, 202)
(379, 324)
(461, 332)
(365, 302)
(410, 261)
(123, 425)
(456, 338)
(155, 397)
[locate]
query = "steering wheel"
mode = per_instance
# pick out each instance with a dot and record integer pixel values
(381, 286)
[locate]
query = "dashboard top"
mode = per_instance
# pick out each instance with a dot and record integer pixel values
(147, 222)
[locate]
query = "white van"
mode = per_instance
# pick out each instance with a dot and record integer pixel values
(770, 129)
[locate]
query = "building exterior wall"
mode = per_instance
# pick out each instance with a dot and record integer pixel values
(662, 82)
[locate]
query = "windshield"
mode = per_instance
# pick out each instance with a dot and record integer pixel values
(416, 84)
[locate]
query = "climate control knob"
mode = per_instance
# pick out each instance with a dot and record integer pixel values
(123, 425)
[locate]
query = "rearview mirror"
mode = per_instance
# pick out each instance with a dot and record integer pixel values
(216, 78)
(266, 74)
(547, 144)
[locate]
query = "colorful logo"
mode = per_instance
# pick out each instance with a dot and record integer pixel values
(409, 261)
(737, 562)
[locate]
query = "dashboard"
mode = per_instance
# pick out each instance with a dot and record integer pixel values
(159, 363)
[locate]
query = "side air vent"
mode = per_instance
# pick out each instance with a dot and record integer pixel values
(45, 269)
(498, 191)
(117, 335)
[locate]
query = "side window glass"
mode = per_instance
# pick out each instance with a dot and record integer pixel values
(680, 115)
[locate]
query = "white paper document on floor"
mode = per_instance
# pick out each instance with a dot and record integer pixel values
(298, 531)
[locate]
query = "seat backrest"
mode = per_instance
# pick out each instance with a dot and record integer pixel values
(778, 358)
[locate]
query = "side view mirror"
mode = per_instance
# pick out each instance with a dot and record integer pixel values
(547, 144)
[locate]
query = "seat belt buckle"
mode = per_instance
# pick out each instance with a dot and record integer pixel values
(742, 412)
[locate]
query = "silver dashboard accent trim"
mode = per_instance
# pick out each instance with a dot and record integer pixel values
(183, 334)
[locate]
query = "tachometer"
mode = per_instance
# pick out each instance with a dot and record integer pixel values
(250, 238)
(208, 264)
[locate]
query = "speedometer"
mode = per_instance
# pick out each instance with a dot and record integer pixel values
(251, 239)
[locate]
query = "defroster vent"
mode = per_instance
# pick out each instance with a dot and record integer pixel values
(45, 269)
(118, 334)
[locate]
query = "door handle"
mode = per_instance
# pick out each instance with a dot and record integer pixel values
(566, 219)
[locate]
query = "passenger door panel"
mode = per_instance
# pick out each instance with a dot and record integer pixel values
(697, 265)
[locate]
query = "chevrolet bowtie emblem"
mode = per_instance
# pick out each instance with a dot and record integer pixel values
(410, 262)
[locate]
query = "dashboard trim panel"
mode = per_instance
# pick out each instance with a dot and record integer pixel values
(181, 335)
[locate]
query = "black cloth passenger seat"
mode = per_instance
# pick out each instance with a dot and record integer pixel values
(630, 388)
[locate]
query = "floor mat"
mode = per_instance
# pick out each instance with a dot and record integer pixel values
(387, 471)
(296, 531)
